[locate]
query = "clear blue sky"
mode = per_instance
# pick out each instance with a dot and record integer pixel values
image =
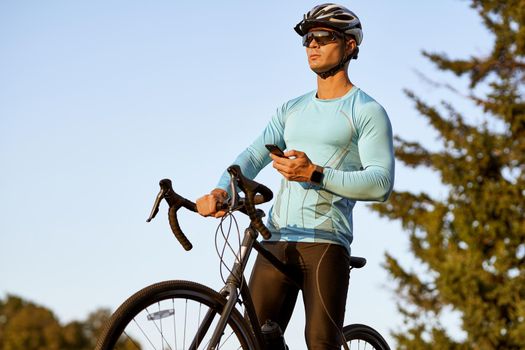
(101, 99)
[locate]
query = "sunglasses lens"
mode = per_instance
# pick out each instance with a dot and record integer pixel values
(321, 37)
(307, 40)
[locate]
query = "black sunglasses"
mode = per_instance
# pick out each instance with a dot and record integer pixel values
(322, 37)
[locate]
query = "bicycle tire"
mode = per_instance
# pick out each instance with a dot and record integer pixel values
(116, 335)
(364, 337)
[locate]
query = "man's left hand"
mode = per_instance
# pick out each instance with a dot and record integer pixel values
(295, 167)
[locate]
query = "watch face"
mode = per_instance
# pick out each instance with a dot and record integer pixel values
(317, 177)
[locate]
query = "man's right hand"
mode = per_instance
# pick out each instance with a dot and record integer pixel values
(207, 204)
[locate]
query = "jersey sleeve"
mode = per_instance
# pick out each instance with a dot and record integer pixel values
(254, 158)
(374, 182)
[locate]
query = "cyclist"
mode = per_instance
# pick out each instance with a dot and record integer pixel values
(339, 150)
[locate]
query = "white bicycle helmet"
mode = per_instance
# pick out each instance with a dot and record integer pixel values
(338, 18)
(332, 16)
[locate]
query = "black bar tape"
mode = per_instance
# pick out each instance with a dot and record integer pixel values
(175, 228)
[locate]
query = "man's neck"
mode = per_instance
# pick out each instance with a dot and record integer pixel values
(333, 87)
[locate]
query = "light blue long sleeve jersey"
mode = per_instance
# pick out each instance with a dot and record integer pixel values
(351, 137)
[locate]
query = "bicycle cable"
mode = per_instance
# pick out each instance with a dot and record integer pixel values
(322, 300)
(226, 236)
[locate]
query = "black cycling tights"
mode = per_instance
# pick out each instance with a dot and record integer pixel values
(316, 268)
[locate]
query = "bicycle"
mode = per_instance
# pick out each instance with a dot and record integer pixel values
(159, 315)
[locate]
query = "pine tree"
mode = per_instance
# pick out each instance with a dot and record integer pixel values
(471, 243)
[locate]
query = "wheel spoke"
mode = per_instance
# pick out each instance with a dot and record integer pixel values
(145, 335)
(225, 340)
(185, 319)
(133, 341)
(199, 323)
(161, 333)
(174, 323)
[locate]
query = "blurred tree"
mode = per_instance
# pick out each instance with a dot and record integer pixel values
(74, 337)
(26, 326)
(471, 243)
(95, 322)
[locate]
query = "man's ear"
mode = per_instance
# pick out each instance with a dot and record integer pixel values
(350, 45)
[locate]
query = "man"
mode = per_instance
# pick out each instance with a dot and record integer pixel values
(339, 150)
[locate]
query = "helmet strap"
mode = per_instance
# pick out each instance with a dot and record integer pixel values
(336, 68)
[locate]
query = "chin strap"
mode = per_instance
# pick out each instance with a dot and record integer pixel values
(340, 66)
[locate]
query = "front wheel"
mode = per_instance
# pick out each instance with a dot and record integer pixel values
(173, 315)
(360, 336)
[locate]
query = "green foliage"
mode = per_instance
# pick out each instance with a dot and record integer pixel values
(471, 243)
(26, 326)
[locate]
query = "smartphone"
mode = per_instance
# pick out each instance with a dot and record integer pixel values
(274, 149)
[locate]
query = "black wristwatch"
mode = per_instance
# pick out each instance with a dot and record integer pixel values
(317, 175)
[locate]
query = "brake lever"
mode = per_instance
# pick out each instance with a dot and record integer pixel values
(156, 205)
(235, 194)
